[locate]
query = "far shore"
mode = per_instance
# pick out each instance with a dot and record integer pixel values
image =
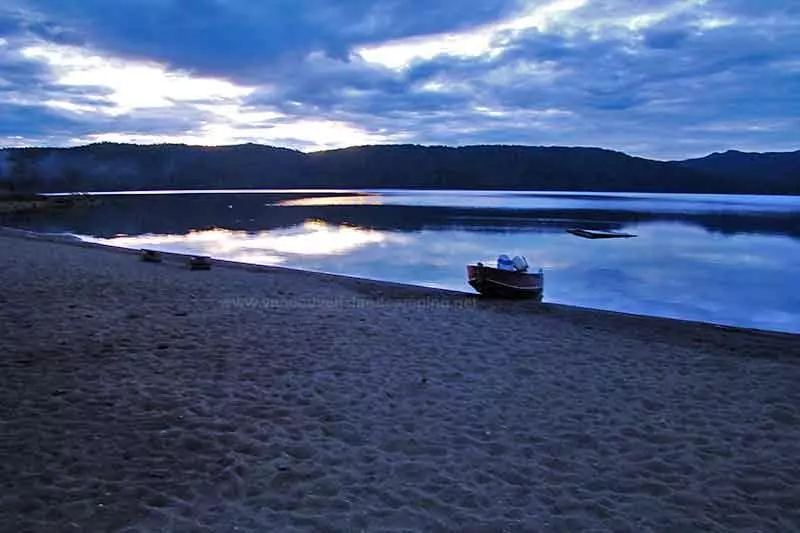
(15, 203)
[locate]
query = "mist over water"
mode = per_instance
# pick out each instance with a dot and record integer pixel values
(727, 259)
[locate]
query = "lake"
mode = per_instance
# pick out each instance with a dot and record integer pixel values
(727, 259)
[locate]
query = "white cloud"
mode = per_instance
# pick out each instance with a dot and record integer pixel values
(130, 85)
(488, 40)
(305, 134)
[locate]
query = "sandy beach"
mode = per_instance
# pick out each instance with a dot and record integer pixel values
(148, 397)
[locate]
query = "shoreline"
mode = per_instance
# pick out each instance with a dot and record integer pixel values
(179, 259)
(21, 203)
(148, 397)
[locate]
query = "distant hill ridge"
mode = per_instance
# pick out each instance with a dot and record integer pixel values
(112, 166)
(777, 167)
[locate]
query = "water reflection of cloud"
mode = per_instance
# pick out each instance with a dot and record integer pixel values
(672, 269)
(639, 202)
(504, 200)
(360, 199)
(314, 238)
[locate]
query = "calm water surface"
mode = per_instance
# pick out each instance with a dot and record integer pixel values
(724, 259)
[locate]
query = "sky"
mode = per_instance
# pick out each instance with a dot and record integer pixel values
(665, 79)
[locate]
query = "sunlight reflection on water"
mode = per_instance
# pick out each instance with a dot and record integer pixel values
(312, 238)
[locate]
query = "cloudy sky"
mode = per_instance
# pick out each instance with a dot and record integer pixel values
(656, 78)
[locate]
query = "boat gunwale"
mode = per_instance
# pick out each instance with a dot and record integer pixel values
(534, 281)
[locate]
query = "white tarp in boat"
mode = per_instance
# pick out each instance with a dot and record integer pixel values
(518, 264)
(505, 263)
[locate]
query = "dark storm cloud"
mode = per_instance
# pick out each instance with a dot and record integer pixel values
(30, 124)
(10, 24)
(242, 39)
(24, 121)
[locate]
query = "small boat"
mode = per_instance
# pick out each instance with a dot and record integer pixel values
(506, 283)
(599, 234)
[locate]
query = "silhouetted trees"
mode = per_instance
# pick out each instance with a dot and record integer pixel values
(111, 166)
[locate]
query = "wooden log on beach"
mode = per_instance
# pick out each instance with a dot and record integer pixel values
(150, 256)
(199, 262)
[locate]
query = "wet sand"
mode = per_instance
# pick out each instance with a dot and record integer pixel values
(148, 397)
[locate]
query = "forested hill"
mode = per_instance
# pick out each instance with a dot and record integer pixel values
(108, 166)
(778, 170)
